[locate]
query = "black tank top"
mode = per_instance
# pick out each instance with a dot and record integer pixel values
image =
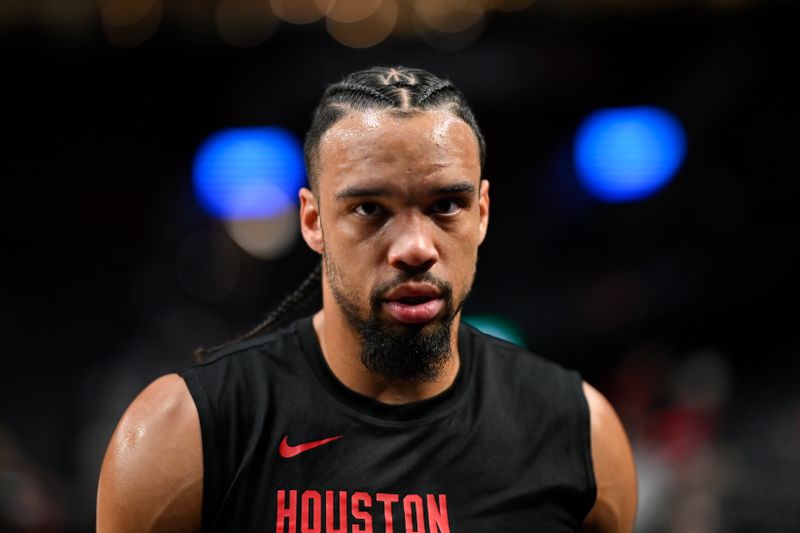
(288, 448)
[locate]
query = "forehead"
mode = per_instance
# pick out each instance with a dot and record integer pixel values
(381, 145)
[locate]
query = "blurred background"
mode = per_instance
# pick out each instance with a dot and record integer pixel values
(644, 226)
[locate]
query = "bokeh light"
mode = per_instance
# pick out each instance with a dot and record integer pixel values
(433, 8)
(497, 326)
(626, 154)
(265, 238)
(126, 12)
(509, 5)
(367, 32)
(448, 25)
(128, 24)
(67, 16)
(349, 10)
(244, 22)
(299, 11)
(249, 173)
(449, 16)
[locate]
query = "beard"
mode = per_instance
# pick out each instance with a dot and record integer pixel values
(408, 353)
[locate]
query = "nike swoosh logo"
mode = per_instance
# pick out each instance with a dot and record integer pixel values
(288, 451)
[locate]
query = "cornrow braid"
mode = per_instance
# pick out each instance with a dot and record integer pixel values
(359, 90)
(398, 88)
(431, 90)
(303, 292)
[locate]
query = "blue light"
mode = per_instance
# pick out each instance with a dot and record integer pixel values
(248, 172)
(499, 327)
(629, 153)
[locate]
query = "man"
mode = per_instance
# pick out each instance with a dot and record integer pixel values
(382, 412)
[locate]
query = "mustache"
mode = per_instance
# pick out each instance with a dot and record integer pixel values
(426, 277)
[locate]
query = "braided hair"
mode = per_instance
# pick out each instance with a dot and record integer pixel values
(397, 88)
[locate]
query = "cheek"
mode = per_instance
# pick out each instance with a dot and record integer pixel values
(361, 257)
(354, 259)
(461, 250)
(462, 262)
(361, 245)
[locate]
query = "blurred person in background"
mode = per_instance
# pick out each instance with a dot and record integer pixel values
(382, 411)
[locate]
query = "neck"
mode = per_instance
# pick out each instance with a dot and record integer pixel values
(341, 347)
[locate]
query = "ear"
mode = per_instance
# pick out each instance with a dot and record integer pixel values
(309, 221)
(483, 209)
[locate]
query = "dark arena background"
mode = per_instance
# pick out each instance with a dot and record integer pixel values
(643, 157)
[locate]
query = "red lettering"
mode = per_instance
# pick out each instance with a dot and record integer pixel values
(360, 519)
(312, 503)
(358, 514)
(411, 514)
(387, 500)
(330, 513)
(437, 516)
(286, 513)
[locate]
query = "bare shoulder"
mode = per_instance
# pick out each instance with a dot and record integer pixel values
(614, 510)
(152, 474)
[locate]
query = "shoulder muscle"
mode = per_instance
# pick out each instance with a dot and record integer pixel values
(614, 510)
(152, 474)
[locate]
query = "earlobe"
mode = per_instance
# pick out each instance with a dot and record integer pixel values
(309, 221)
(483, 208)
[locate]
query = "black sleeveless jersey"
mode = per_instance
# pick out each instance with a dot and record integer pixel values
(288, 448)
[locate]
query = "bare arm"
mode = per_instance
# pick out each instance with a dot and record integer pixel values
(152, 475)
(614, 510)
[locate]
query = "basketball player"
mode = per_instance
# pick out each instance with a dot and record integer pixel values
(382, 412)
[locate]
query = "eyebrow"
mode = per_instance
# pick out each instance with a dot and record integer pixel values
(358, 192)
(361, 192)
(455, 188)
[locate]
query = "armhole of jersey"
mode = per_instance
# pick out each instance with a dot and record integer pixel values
(207, 430)
(586, 444)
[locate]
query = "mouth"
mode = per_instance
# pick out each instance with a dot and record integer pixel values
(414, 308)
(414, 300)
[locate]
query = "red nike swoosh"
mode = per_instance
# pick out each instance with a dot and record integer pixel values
(287, 451)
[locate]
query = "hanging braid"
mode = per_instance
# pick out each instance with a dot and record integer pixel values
(307, 288)
(398, 88)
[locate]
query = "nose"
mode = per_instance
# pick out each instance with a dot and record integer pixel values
(413, 248)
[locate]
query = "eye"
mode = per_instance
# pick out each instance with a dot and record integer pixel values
(447, 206)
(369, 209)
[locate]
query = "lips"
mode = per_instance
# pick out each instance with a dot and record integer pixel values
(414, 304)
